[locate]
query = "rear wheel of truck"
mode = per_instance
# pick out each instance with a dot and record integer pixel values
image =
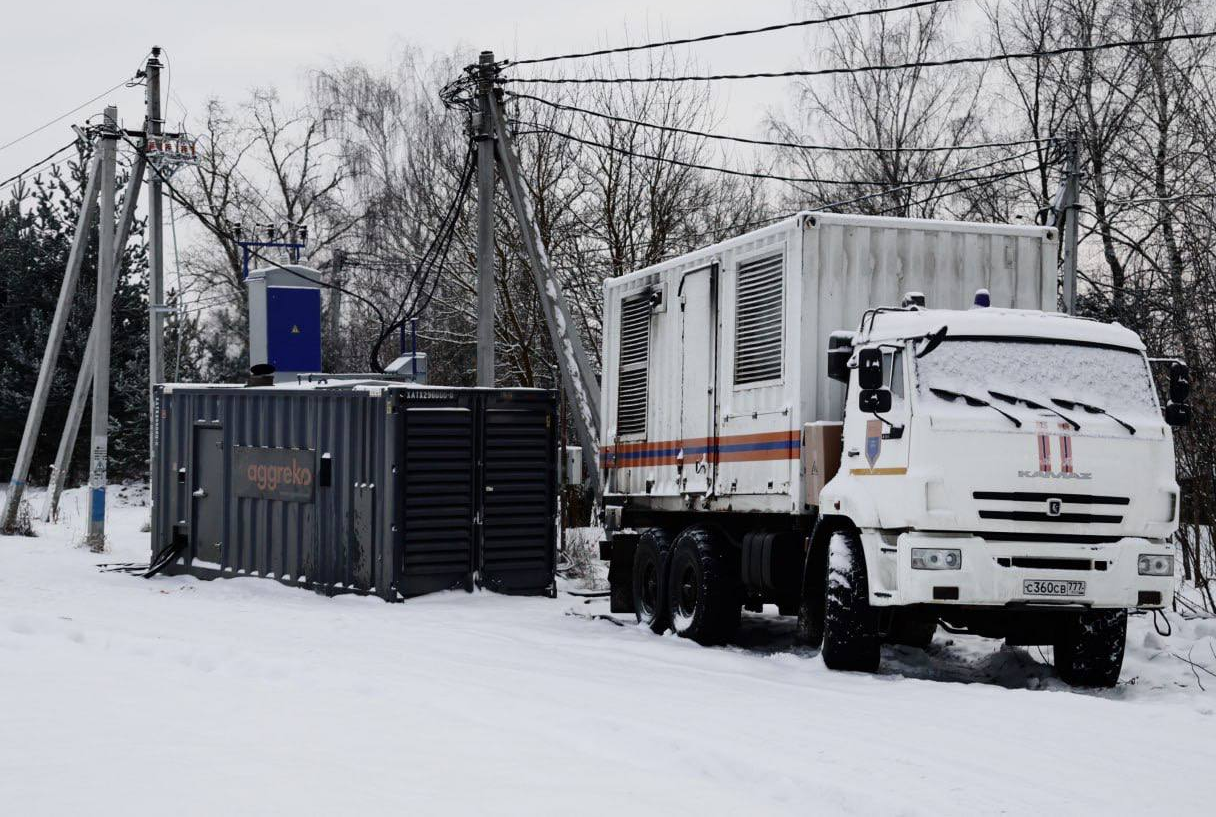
(1089, 648)
(850, 640)
(649, 596)
(703, 588)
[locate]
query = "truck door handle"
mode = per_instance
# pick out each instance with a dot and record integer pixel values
(200, 492)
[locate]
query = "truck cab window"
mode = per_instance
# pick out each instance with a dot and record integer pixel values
(893, 372)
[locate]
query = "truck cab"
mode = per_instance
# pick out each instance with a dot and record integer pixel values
(1007, 472)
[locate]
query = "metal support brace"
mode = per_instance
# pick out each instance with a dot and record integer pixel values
(578, 378)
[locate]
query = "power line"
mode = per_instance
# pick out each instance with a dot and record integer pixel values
(771, 143)
(861, 69)
(751, 174)
(63, 116)
(37, 164)
(738, 33)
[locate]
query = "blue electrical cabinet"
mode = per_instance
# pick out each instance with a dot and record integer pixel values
(285, 319)
(293, 329)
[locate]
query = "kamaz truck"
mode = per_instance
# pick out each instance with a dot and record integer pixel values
(882, 426)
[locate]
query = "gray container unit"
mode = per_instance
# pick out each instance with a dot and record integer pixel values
(385, 489)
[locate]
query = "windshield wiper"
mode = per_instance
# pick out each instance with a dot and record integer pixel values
(951, 396)
(1009, 398)
(1072, 405)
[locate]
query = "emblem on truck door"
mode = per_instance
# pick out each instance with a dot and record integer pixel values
(873, 441)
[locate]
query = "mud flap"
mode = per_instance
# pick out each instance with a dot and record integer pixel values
(620, 571)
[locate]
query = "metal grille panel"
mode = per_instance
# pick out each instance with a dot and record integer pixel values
(759, 319)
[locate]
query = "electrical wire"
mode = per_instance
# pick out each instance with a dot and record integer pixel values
(36, 165)
(752, 174)
(771, 143)
(738, 33)
(63, 116)
(861, 69)
(431, 265)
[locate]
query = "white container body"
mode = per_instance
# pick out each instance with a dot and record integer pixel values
(722, 429)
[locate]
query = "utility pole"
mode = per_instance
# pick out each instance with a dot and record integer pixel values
(84, 378)
(153, 129)
(50, 356)
(101, 354)
(1071, 207)
(484, 134)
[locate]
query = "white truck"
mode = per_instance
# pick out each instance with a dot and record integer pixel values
(880, 425)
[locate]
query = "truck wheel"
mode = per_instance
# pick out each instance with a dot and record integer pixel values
(649, 598)
(703, 588)
(813, 598)
(850, 640)
(1089, 648)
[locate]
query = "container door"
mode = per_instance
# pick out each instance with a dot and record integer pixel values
(208, 496)
(519, 505)
(698, 366)
(437, 500)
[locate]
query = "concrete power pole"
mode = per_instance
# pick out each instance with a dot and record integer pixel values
(485, 222)
(50, 356)
(1072, 209)
(99, 438)
(153, 128)
(84, 378)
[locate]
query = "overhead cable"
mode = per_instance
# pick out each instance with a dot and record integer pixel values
(63, 116)
(38, 164)
(861, 69)
(772, 143)
(738, 33)
(755, 174)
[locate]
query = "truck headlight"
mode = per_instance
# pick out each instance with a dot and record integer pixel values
(937, 559)
(1150, 565)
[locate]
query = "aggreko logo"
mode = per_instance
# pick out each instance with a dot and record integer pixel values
(270, 477)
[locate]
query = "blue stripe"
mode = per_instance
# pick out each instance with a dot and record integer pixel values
(99, 505)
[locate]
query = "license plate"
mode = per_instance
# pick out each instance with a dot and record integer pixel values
(1052, 587)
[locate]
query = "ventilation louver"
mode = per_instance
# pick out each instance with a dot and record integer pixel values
(634, 363)
(759, 320)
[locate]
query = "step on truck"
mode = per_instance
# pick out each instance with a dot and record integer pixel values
(881, 426)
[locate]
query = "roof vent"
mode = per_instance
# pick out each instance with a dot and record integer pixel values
(982, 298)
(914, 300)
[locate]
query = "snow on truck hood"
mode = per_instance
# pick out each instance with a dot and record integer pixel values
(999, 323)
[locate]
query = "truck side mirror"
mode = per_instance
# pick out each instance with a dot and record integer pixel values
(869, 369)
(874, 401)
(1176, 414)
(1180, 382)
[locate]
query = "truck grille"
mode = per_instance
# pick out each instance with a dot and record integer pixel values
(1042, 498)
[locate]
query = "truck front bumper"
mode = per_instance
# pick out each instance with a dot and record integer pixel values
(999, 573)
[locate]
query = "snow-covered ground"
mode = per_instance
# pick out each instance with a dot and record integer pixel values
(120, 695)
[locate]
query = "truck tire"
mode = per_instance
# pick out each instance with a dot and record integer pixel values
(850, 639)
(703, 588)
(1089, 648)
(649, 588)
(813, 598)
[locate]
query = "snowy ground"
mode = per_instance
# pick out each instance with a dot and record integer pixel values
(129, 696)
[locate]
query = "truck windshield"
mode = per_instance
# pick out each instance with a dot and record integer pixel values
(1118, 380)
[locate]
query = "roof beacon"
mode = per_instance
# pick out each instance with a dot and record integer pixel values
(914, 299)
(982, 298)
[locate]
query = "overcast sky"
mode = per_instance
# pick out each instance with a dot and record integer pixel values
(58, 53)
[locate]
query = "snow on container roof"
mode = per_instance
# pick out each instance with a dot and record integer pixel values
(996, 322)
(845, 219)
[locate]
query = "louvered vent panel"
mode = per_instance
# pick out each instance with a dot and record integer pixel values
(634, 360)
(759, 320)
